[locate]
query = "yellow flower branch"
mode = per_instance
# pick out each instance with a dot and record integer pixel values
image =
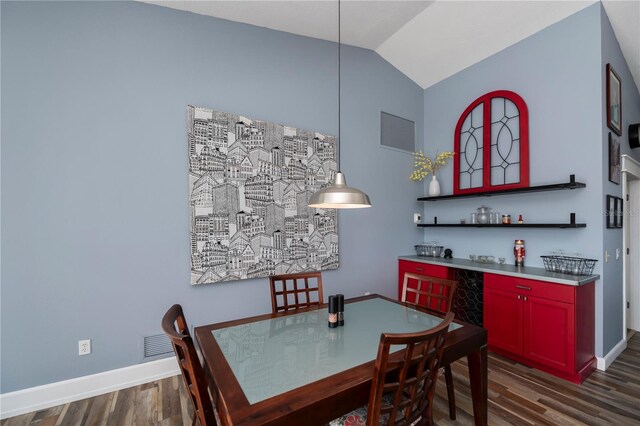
(425, 165)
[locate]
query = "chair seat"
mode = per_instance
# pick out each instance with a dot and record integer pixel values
(358, 417)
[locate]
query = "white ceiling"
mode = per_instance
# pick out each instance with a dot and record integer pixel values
(466, 33)
(426, 40)
(625, 20)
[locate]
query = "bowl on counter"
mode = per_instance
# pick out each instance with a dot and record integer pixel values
(429, 250)
(482, 258)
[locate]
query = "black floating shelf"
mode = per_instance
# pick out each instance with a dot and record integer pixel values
(572, 184)
(572, 224)
(499, 225)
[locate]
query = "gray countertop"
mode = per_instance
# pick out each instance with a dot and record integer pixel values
(510, 270)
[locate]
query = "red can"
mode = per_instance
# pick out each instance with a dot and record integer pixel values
(518, 252)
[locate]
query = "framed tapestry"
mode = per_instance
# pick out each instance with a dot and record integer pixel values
(249, 185)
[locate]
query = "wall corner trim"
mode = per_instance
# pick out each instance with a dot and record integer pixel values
(606, 361)
(629, 164)
(52, 394)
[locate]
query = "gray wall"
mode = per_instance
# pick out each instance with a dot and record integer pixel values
(613, 272)
(557, 71)
(94, 171)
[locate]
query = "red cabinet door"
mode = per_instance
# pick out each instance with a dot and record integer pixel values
(549, 336)
(503, 320)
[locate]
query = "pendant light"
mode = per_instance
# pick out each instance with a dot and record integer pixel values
(338, 195)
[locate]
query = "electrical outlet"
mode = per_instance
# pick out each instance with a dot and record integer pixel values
(417, 218)
(617, 253)
(84, 347)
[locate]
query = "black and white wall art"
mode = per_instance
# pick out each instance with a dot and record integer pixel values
(249, 185)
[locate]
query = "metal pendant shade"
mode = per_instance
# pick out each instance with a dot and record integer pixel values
(338, 195)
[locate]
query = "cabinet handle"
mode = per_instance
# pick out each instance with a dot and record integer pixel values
(525, 298)
(522, 287)
(419, 269)
(519, 297)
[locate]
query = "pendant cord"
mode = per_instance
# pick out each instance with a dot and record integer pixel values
(339, 89)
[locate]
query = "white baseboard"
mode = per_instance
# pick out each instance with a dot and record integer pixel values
(607, 360)
(46, 396)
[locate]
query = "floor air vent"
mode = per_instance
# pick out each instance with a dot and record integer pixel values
(157, 345)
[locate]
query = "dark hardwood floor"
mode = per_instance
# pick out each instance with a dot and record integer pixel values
(518, 395)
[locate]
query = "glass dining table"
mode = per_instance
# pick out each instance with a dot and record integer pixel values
(291, 368)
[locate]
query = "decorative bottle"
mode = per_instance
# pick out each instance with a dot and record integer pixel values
(518, 252)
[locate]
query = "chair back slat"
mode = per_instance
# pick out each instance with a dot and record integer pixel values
(295, 291)
(433, 293)
(175, 327)
(410, 385)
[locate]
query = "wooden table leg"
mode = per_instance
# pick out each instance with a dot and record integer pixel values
(478, 379)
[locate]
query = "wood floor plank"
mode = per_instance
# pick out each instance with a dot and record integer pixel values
(46, 421)
(569, 413)
(176, 420)
(169, 398)
(185, 403)
(45, 417)
(122, 408)
(75, 412)
(604, 401)
(65, 407)
(146, 406)
(510, 417)
(518, 396)
(21, 420)
(99, 412)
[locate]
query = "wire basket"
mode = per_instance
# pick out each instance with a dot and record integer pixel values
(428, 250)
(569, 265)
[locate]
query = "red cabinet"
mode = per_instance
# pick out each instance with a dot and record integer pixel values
(549, 333)
(420, 268)
(499, 305)
(545, 325)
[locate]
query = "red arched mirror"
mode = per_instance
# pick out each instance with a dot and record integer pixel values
(492, 144)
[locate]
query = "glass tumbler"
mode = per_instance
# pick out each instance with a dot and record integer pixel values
(474, 218)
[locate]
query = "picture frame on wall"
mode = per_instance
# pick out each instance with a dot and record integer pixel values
(615, 167)
(614, 212)
(250, 182)
(614, 101)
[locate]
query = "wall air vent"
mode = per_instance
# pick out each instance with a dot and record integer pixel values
(158, 344)
(397, 132)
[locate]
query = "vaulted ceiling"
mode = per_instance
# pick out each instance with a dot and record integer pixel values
(426, 40)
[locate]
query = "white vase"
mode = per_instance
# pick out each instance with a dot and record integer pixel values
(434, 187)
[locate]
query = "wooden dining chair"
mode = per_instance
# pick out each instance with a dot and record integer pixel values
(436, 294)
(175, 327)
(403, 386)
(294, 291)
